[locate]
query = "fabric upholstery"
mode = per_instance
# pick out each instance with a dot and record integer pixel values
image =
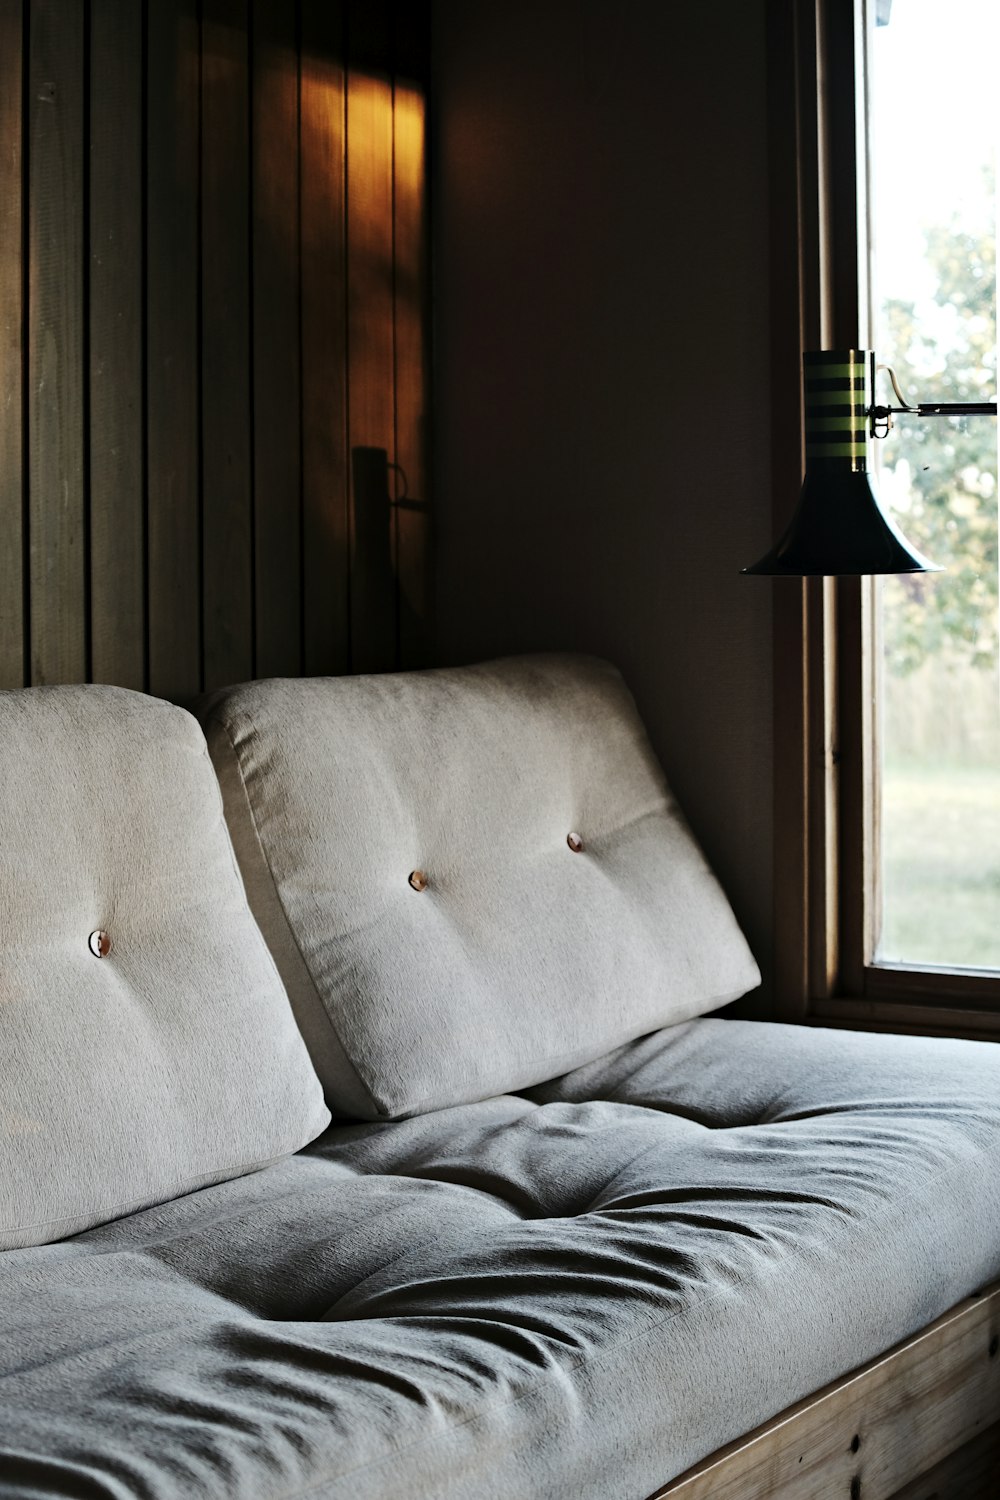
(172, 1061)
(513, 957)
(572, 1294)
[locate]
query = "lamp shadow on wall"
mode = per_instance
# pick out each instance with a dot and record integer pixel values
(340, 225)
(340, 267)
(378, 513)
(364, 228)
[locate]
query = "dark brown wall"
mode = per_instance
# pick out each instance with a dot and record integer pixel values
(212, 308)
(602, 437)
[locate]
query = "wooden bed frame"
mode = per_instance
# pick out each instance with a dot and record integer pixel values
(921, 1422)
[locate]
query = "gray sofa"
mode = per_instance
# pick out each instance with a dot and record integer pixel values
(564, 1235)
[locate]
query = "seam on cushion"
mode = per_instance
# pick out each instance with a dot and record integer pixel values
(234, 862)
(177, 1190)
(666, 807)
(235, 866)
(225, 725)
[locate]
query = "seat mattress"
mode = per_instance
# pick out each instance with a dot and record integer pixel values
(578, 1291)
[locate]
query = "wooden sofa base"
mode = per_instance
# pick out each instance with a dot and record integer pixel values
(970, 1473)
(884, 1432)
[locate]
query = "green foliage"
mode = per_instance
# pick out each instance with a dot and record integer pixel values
(951, 461)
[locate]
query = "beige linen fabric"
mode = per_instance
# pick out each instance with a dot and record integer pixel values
(174, 1061)
(521, 958)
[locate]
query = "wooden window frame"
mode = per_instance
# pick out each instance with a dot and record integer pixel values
(825, 725)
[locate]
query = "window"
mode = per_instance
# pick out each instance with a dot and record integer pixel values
(887, 705)
(936, 789)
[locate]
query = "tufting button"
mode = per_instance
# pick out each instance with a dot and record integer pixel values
(418, 880)
(99, 944)
(575, 842)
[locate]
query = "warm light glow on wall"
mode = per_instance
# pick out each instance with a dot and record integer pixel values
(410, 126)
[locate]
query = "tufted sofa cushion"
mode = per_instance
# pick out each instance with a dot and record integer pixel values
(471, 879)
(570, 1295)
(146, 1044)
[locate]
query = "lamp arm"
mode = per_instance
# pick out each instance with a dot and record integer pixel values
(957, 409)
(880, 417)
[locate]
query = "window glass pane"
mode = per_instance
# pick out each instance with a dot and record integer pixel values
(934, 115)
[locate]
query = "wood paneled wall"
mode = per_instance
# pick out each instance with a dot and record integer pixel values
(213, 325)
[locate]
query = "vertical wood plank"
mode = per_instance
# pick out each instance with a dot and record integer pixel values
(412, 518)
(326, 597)
(791, 126)
(12, 581)
(177, 309)
(276, 389)
(56, 343)
(117, 533)
(174, 531)
(370, 326)
(226, 481)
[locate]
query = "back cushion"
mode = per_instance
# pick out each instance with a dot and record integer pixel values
(146, 1042)
(407, 843)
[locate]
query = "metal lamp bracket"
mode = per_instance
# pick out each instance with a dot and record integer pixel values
(880, 417)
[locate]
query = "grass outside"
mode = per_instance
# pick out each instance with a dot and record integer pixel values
(941, 865)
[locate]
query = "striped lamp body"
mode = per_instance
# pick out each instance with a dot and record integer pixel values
(836, 406)
(839, 528)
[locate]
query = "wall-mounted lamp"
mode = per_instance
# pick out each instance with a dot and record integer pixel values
(839, 527)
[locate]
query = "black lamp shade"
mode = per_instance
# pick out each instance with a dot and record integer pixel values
(839, 527)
